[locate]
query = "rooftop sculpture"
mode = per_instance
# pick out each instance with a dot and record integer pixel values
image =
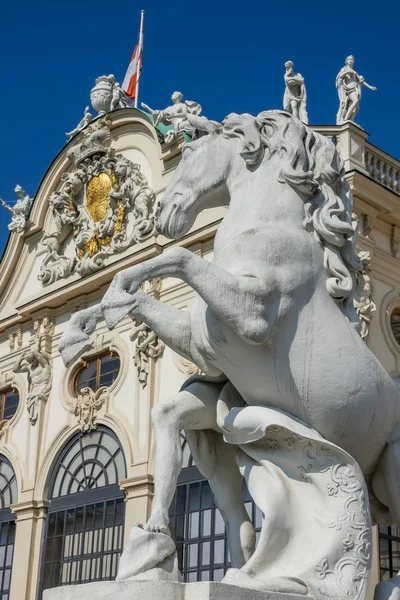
(295, 97)
(291, 398)
(176, 115)
(19, 211)
(349, 85)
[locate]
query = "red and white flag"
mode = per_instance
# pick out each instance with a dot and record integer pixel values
(130, 84)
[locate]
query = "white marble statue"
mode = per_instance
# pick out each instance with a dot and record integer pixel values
(107, 95)
(176, 115)
(87, 118)
(35, 362)
(295, 97)
(363, 301)
(20, 210)
(349, 85)
(291, 398)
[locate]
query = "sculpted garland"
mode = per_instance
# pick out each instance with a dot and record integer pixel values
(104, 206)
(291, 398)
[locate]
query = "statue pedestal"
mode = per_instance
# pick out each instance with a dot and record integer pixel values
(167, 590)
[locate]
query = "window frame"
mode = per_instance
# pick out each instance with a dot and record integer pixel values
(8, 518)
(82, 500)
(84, 364)
(3, 394)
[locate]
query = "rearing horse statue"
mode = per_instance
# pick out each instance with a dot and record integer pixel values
(291, 397)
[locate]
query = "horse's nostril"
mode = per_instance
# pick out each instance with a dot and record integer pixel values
(174, 206)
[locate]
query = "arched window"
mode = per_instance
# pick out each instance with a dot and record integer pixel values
(198, 527)
(99, 371)
(85, 523)
(8, 496)
(9, 400)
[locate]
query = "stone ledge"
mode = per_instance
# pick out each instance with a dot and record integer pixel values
(166, 590)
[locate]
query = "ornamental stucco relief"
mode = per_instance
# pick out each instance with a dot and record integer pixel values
(104, 206)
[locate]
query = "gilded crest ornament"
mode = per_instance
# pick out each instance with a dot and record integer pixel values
(104, 206)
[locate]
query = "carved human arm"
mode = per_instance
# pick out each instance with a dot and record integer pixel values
(238, 300)
(21, 366)
(40, 356)
(370, 87)
(6, 206)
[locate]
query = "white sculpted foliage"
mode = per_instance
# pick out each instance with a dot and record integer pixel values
(20, 210)
(291, 398)
(104, 206)
(176, 115)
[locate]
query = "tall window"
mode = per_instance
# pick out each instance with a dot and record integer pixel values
(198, 527)
(9, 400)
(389, 551)
(8, 496)
(97, 372)
(85, 524)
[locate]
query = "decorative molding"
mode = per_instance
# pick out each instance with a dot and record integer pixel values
(363, 302)
(35, 362)
(148, 346)
(104, 206)
(87, 405)
(185, 366)
(16, 340)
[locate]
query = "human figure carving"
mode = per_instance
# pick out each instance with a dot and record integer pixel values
(176, 115)
(365, 306)
(20, 210)
(35, 363)
(87, 118)
(291, 397)
(349, 85)
(295, 97)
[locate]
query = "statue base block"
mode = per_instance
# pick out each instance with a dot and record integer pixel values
(167, 590)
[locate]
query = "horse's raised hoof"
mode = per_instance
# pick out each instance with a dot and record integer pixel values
(158, 524)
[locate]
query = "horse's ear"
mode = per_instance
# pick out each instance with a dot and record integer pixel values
(247, 129)
(203, 124)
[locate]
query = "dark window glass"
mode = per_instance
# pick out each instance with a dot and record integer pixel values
(85, 525)
(198, 527)
(98, 372)
(8, 496)
(9, 400)
(389, 551)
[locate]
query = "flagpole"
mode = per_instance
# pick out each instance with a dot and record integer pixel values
(140, 49)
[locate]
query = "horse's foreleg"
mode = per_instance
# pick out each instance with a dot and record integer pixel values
(238, 300)
(170, 324)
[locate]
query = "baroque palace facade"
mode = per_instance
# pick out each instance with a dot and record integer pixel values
(76, 444)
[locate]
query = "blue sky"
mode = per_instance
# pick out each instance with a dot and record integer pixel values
(228, 56)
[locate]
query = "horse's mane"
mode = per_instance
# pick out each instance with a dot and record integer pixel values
(309, 163)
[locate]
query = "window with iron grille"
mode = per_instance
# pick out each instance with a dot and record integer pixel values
(198, 527)
(100, 371)
(9, 400)
(389, 551)
(85, 523)
(8, 496)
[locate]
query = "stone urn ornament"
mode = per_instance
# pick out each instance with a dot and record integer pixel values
(101, 94)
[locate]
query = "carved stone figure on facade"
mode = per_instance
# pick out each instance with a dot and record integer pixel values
(87, 405)
(35, 362)
(148, 347)
(87, 118)
(349, 85)
(19, 211)
(295, 97)
(176, 115)
(363, 302)
(291, 397)
(107, 95)
(104, 205)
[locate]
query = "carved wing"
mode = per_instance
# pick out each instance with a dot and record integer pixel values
(194, 107)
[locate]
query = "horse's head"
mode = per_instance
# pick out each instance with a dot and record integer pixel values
(76, 337)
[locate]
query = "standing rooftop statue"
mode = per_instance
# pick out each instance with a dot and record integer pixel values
(291, 398)
(349, 85)
(20, 210)
(295, 97)
(176, 115)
